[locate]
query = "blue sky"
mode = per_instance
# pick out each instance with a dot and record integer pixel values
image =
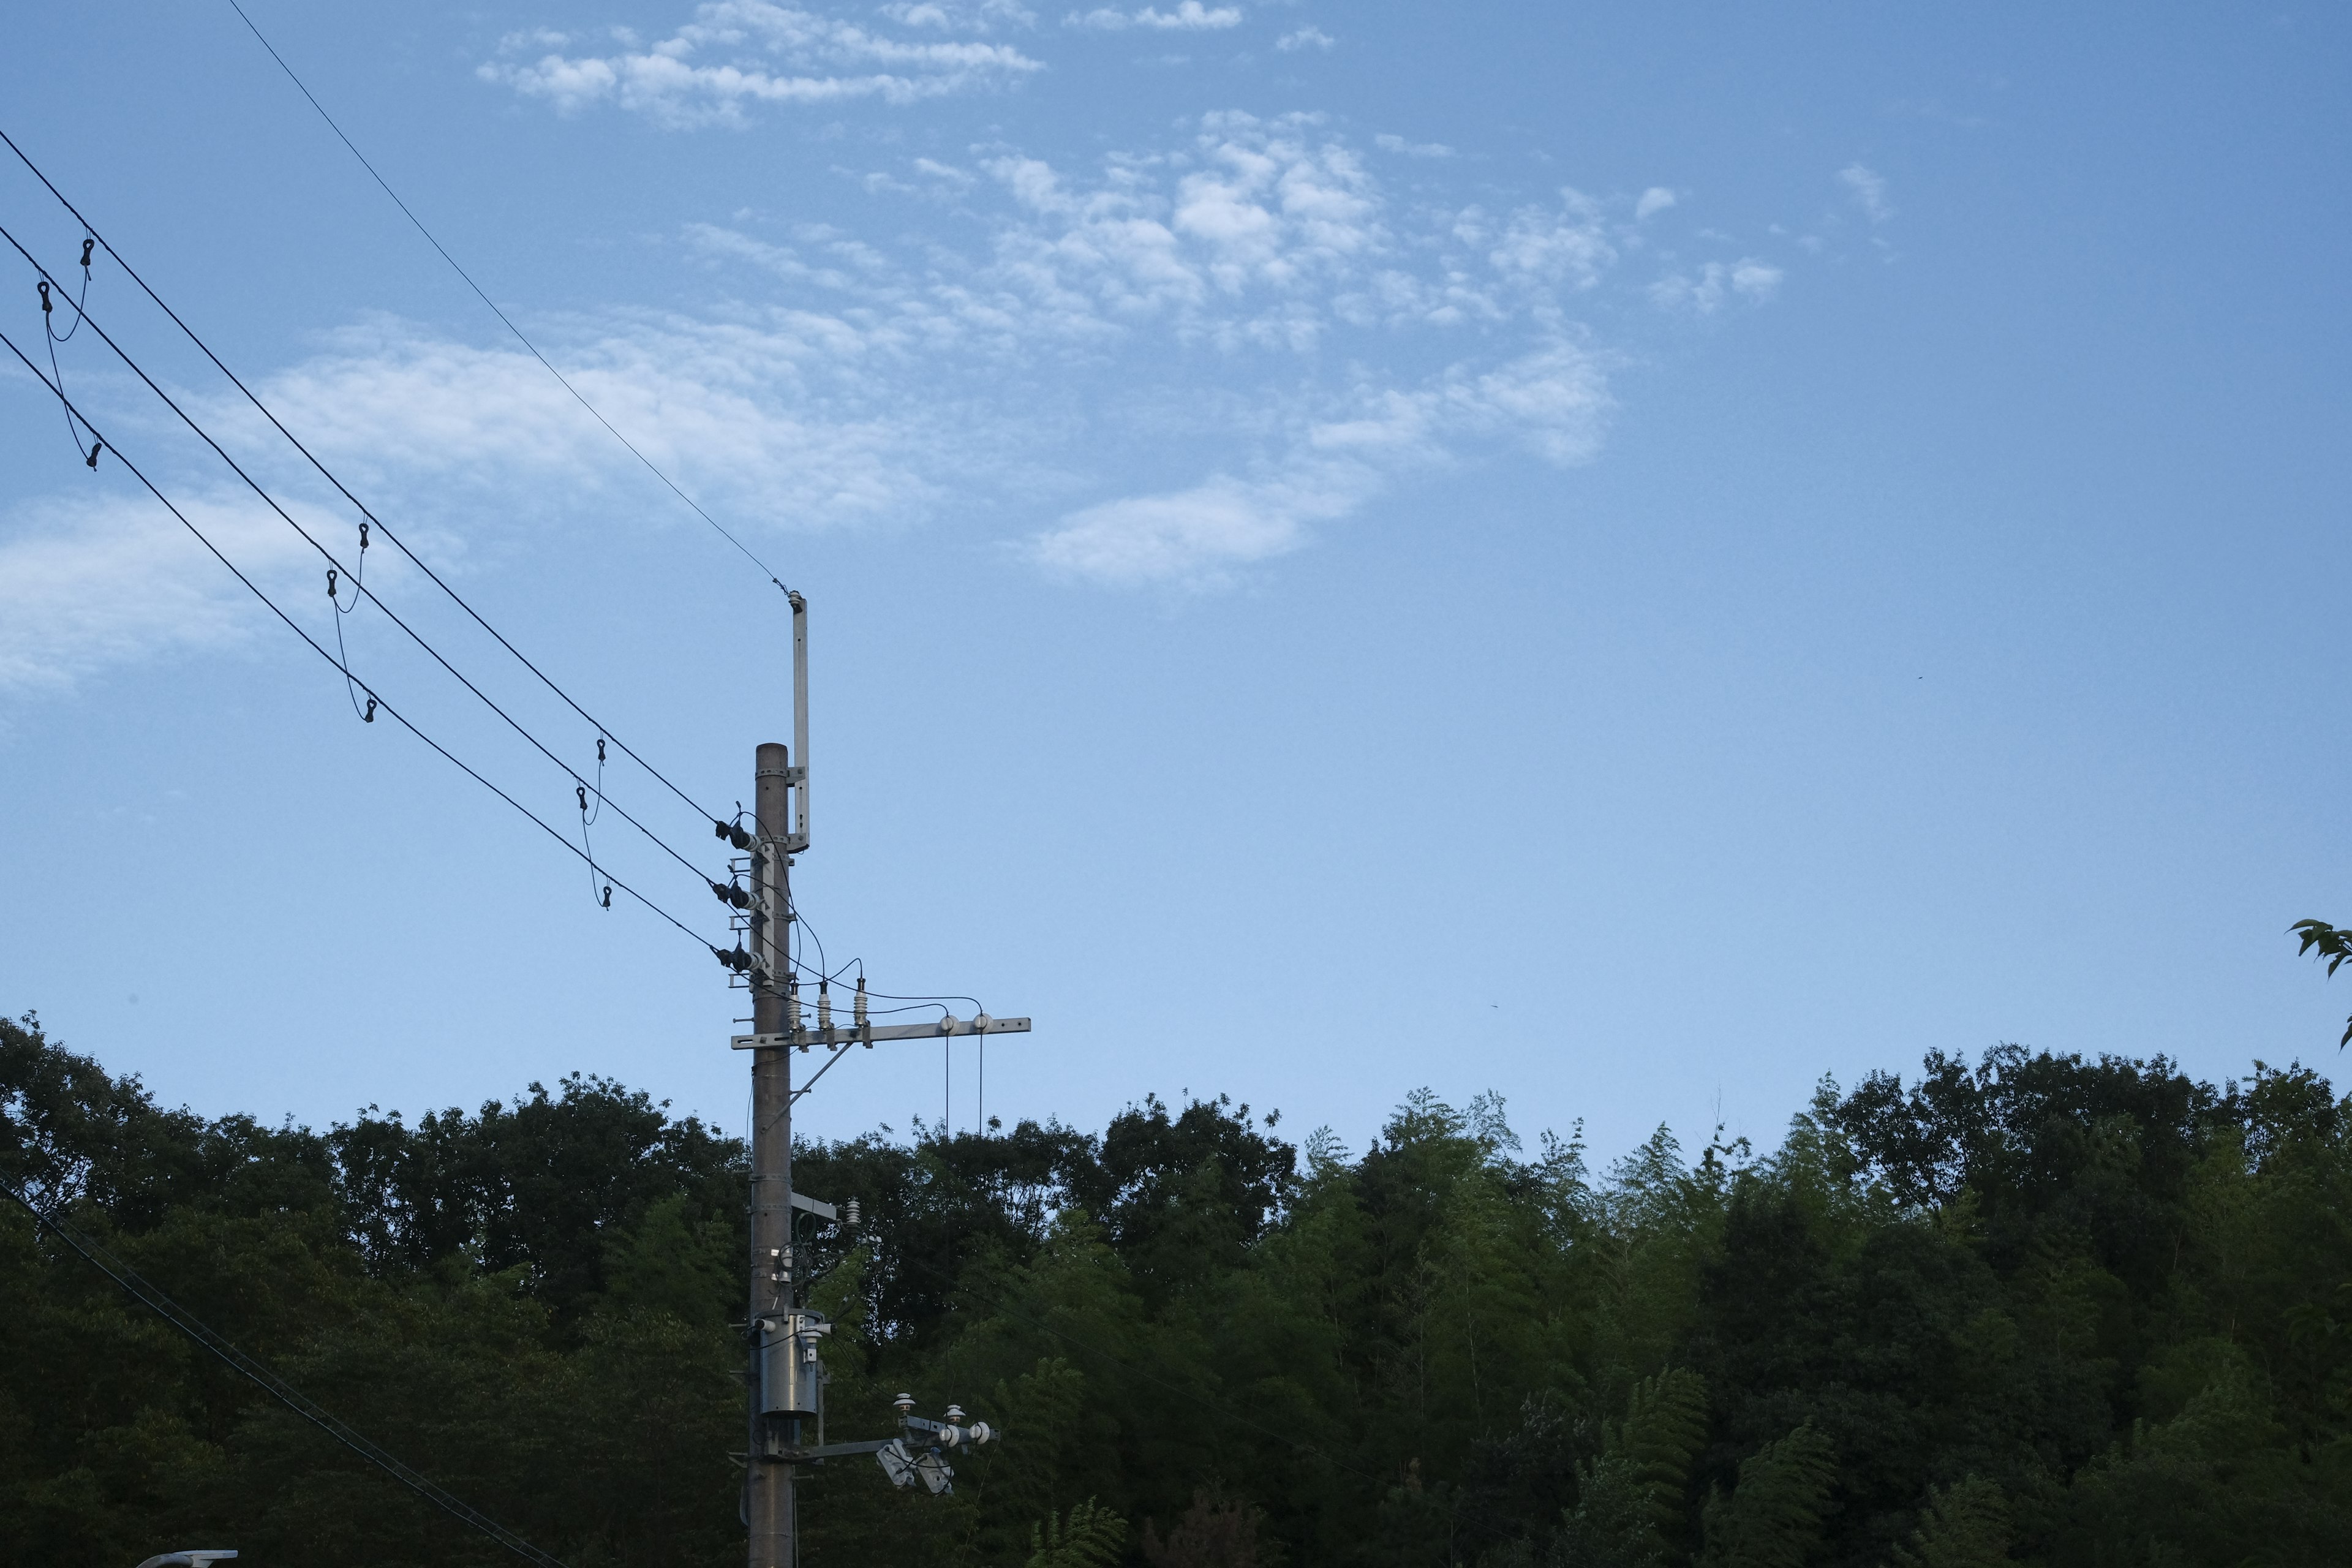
(1627, 556)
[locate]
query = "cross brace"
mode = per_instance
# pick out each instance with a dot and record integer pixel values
(836, 1035)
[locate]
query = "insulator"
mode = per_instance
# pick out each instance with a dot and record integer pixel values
(793, 1005)
(738, 837)
(823, 1007)
(739, 897)
(740, 959)
(850, 1214)
(858, 1015)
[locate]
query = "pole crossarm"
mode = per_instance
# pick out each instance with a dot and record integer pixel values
(867, 1035)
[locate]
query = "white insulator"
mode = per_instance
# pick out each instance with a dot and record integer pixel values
(858, 1014)
(793, 1006)
(979, 1432)
(824, 1008)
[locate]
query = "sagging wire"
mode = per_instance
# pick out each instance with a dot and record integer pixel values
(319, 649)
(50, 331)
(308, 537)
(587, 820)
(342, 654)
(420, 562)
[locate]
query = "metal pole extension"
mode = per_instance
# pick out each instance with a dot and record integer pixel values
(769, 1503)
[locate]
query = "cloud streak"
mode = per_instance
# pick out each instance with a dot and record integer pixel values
(741, 52)
(1166, 365)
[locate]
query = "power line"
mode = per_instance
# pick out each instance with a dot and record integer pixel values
(318, 648)
(358, 585)
(277, 1387)
(381, 525)
(486, 300)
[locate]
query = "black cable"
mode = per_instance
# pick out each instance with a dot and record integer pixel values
(501, 315)
(277, 1387)
(343, 652)
(397, 541)
(318, 648)
(390, 613)
(50, 331)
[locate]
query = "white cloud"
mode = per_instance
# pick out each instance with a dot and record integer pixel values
(1286, 338)
(1712, 286)
(1569, 244)
(1308, 38)
(737, 52)
(1552, 401)
(960, 16)
(1654, 200)
(1868, 190)
(1387, 144)
(88, 582)
(1189, 17)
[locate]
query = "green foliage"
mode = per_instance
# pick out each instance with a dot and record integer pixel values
(1773, 1519)
(2326, 941)
(2077, 1313)
(1632, 1501)
(1966, 1525)
(1090, 1537)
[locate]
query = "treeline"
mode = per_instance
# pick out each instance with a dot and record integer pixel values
(2036, 1310)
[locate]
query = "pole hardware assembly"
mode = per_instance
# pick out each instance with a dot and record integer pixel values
(786, 1375)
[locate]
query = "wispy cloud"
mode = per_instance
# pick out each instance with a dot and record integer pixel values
(91, 581)
(1189, 17)
(1166, 364)
(1868, 190)
(1387, 144)
(740, 52)
(1307, 38)
(1552, 401)
(1715, 284)
(1654, 201)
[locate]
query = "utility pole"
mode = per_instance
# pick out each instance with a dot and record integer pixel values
(787, 1375)
(769, 1501)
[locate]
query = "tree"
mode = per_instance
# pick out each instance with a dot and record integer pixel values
(2325, 940)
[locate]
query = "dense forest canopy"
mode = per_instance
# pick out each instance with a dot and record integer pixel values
(2037, 1308)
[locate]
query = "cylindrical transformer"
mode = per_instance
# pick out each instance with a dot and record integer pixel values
(792, 1375)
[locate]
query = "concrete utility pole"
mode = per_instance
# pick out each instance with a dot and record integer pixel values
(787, 1375)
(769, 1503)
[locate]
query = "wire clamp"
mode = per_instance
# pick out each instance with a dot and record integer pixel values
(90, 462)
(369, 717)
(43, 287)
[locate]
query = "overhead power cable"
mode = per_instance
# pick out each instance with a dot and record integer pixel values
(501, 315)
(318, 649)
(603, 730)
(277, 1387)
(337, 567)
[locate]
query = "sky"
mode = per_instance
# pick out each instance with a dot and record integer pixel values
(1627, 557)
